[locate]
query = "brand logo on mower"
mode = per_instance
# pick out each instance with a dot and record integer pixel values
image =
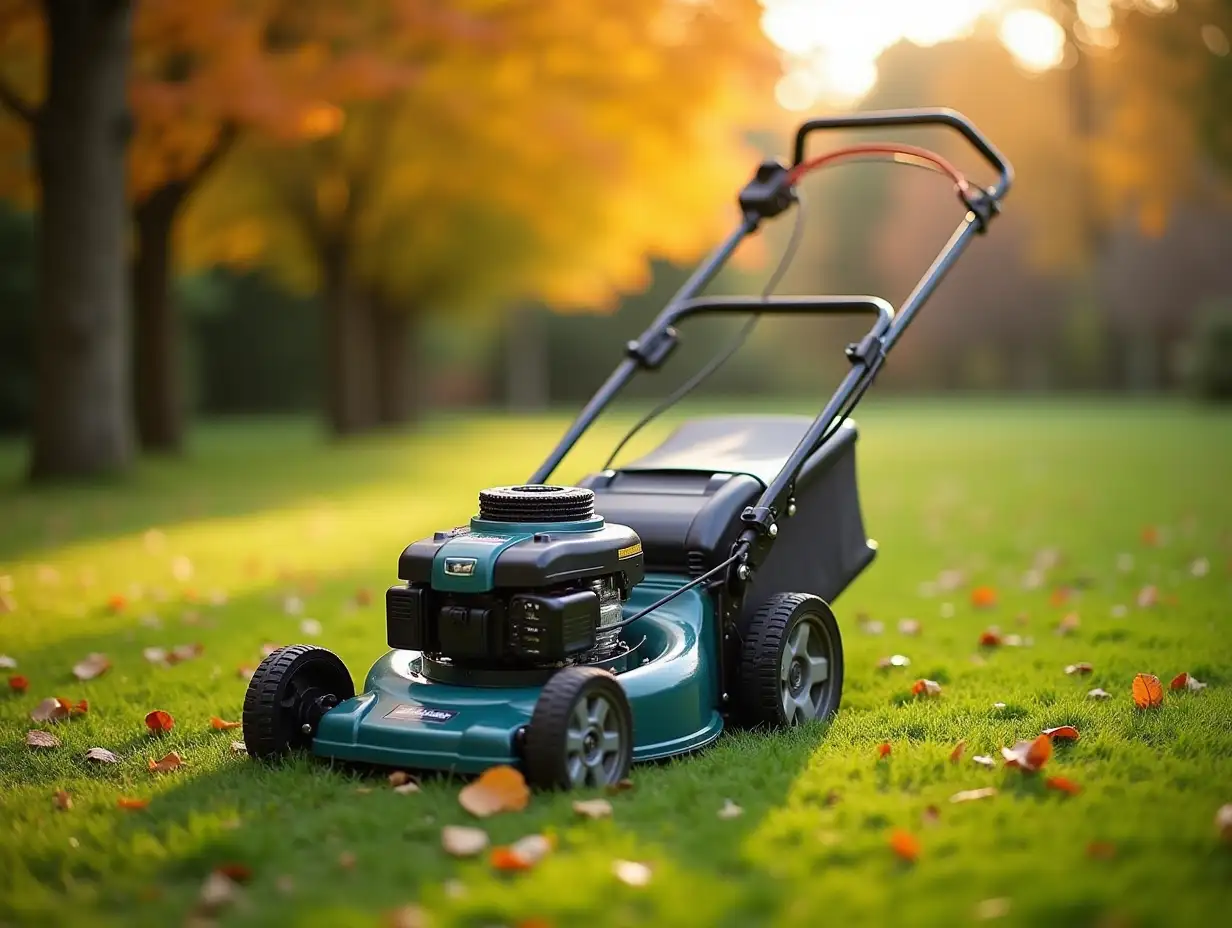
(420, 714)
(460, 566)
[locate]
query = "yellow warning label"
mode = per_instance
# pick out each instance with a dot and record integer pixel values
(631, 551)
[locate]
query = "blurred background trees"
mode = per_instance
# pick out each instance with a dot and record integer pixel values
(381, 207)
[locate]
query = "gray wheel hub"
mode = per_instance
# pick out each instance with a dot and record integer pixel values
(593, 743)
(805, 671)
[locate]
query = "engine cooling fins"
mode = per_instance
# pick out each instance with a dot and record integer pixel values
(536, 503)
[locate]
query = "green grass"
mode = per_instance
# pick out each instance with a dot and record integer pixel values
(266, 510)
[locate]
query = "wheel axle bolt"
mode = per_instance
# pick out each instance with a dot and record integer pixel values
(743, 571)
(306, 728)
(774, 529)
(791, 509)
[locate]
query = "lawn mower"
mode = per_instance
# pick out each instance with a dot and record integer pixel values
(572, 630)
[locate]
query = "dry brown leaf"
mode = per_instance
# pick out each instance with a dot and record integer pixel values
(245, 671)
(363, 596)
(219, 724)
(125, 802)
(905, 845)
(62, 800)
(1223, 822)
(51, 709)
(983, 760)
(102, 756)
(957, 753)
(883, 750)
(409, 916)
(1148, 597)
(240, 873)
(908, 627)
(498, 789)
(238, 747)
(620, 786)
(926, 688)
(115, 602)
(155, 655)
(407, 788)
(931, 815)
(7, 663)
(218, 892)
(1186, 681)
(1028, 755)
(592, 808)
(1098, 693)
(399, 778)
(186, 652)
(990, 637)
(1062, 732)
(1063, 785)
(983, 597)
(18, 683)
(1147, 690)
(42, 739)
(1068, 624)
(631, 873)
(346, 860)
(462, 841)
(159, 722)
(969, 795)
(522, 854)
(1082, 668)
(95, 665)
(988, 909)
(730, 810)
(168, 762)
(894, 660)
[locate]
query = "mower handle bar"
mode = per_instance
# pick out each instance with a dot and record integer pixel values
(923, 117)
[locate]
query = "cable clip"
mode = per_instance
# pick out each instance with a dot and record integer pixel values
(869, 351)
(983, 205)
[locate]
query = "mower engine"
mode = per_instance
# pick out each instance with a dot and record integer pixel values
(535, 581)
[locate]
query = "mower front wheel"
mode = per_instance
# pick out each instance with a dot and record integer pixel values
(581, 731)
(791, 662)
(287, 696)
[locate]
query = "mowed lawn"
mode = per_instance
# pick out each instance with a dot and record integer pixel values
(1118, 515)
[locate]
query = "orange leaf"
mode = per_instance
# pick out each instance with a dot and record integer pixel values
(363, 597)
(222, 724)
(1080, 668)
(240, 873)
(1028, 755)
(1039, 752)
(990, 638)
(116, 602)
(926, 688)
(168, 762)
(95, 665)
(1179, 682)
(1101, 850)
(1063, 785)
(159, 722)
(1148, 693)
(983, 597)
(883, 750)
(498, 789)
(18, 683)
(1150, 536)
(1064, 732)
(81, 707)
(51, 709)
(957, 753)
(126, 803)
(1069, 624)
(1059, 597)
(905, 845)
(503, 858)
(63, 800)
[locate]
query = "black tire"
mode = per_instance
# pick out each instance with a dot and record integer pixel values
(563, 753)
(769, 679)
(293, 687)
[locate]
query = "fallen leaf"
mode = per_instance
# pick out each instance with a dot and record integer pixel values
(1148, 596)
(95, 665)
(186, 652)
(969, 795)
(1068, 624)
(7, 604)
(872, 627)
(62, 800)
(990, 638)
(18, 683)
(1150, 536)
(998, 705)
(908, 627)
(988, 909)
(102, 756)
(1080, 668)
(218, 892)
(310, 627)
(155, 655)
(1200, 567)
(238, 747)
(363, 596)
(957, 753)
(116, 602)
(222, 724)
(931, 815)
(1028, 755)
(620, 786)
(124, 802)
(159, 722)
(592, 808)
(1223, 822)
(409, 916)
(498, 789)
(240, 873)
(1063, 785)
(462, 841)
(346, 860)
(983, 760)
(894, 660)
(927, 688)
(631, 873)
(1098, 693)
(399, 778)
(1101, 850)
(1148, 693)
(730, 810)
(505, 860)
(1059, 597)
(407, 788)
(7, 663)
(905, 845)
(168, 762)
(983, 597)
(522, 854)
(42, 739)
(883, 750)
(245, 672)
(1064, 732)
(81, 707)
(1186, 681)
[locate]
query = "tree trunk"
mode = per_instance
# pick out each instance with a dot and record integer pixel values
(397, 332)
(81, 422)
(158, 388)
(527, 387)
(350, 392)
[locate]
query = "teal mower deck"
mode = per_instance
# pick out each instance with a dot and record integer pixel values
(571, 631)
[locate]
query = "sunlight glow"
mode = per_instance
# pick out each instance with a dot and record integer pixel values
(832, 46)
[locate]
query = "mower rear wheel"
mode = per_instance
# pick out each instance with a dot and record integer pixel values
(581, 731)
(287, 696)
(791, 662)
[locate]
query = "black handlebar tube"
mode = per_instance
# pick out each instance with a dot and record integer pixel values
(924, 117)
